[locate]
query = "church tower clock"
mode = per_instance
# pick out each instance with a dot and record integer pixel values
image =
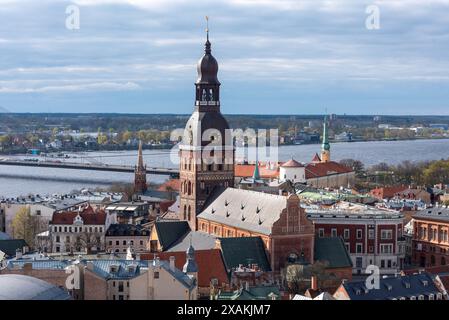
(206, 152)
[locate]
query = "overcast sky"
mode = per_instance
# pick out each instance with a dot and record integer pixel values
(275, 56)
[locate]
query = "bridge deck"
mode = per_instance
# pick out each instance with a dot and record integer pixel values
(87, 166)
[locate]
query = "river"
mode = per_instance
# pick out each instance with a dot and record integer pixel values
(15, 181)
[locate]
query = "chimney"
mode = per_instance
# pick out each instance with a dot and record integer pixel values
(172, 263)
(314, 283)
(18, 253)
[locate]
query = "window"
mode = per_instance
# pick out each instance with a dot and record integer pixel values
(110, 242)
(120, 286)
(58, 239)
(38, 212)
(382, 263)
(359, 248)
(334, 232)
(113, 284)
(386, 248)
(389, 263)
(321, 232)
(347, 247)
(346, 234)
(141, 242)
(58, 249)
(120, 297)
(124, 242)
(156, 275)
(386, 234)
(117, 243)
(371, 249)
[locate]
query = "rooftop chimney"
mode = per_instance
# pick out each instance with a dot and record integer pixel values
(314, 283)
(172, 263)
(18, 253)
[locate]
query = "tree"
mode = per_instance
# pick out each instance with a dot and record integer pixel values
(437, 172)
(25, 226)
(355, 165)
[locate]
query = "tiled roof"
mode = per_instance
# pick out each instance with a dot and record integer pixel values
(210, 265)
(255, 293)
(387, 192)
(437, 213)
(170, 232)
(39, 264)
(322, 169)
(199, 240)
(10, 246)
(126, 230)
(165, 205)
(170, 185)
(316, 158)
(393, 288)
(333, 251)
(244, 251)
(245, 209)
(89, 217)
(103, 268)
(247, 171)
(292, 164)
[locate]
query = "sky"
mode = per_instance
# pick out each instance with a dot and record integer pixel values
(275, 56)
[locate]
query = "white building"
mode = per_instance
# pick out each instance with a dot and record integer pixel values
(292, 170)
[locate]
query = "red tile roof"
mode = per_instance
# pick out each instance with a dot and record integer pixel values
(210, 264)
(322, 169)
(164, 205)
(316, 158)
(387, 192)
(292, 164)
(170, 185)
(247, 170)
(89, 216)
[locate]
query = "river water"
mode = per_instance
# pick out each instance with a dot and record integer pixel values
(15, 181)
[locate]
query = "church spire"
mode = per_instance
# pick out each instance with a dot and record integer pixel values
(256, 173)
(325, 147)
(140, 173)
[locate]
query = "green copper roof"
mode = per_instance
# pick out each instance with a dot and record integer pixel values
(325, 145)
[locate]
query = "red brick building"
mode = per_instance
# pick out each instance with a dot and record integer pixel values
(430, 243)
(371, 236)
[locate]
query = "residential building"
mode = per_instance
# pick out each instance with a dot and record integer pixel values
(421, 286)
(372, 236)
(120, 237)
(79, 231)
(431, 237)
(128, 212)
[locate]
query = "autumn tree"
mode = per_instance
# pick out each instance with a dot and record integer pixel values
(25, 226)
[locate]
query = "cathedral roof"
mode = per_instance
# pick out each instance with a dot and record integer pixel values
(207, 66)
(245, 209)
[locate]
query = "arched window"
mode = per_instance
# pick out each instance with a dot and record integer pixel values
(189, 188)
(185, 212)
(189, 213)
(443, 261)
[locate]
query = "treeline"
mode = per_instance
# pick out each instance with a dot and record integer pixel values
(423, 173)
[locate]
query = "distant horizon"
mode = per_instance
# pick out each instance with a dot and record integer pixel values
(232, 114)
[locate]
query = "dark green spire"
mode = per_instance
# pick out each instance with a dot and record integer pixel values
(256, 174)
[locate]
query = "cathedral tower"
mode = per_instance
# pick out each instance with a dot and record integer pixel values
(206, 152)
(325, 147)
(140, 173)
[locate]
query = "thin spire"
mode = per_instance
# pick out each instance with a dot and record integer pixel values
(256, 174)
(325, 145)
(140, 156)
(207, 45)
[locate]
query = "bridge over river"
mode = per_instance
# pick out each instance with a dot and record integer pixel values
(172, 172)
